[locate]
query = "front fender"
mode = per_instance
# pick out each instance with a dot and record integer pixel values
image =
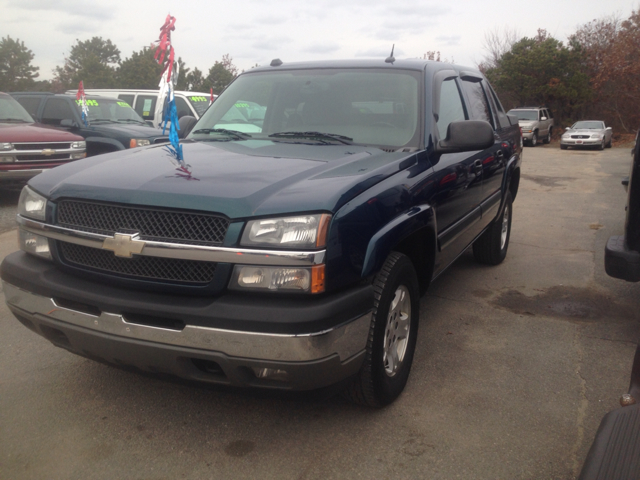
(393, 233)
(115, 144)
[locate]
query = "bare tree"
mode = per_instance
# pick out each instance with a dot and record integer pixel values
(496, 43)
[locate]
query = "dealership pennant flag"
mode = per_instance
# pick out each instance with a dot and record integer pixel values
(165, 57)
(211, 100)
(81, 100)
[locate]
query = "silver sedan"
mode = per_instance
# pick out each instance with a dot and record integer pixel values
(587, 133)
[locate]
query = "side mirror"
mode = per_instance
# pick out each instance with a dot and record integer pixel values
(68, 123)
(567, 128)
(466, 136)
(186, 125)
(149, 123)
(608, 128)
(543, 118)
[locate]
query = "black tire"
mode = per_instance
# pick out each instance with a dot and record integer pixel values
(396, 295)
(547, 139)
(602, 145)
(610, 142)
(534, 139)
(491, 247)
(563, 147)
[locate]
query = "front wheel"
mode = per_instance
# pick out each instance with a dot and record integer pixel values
(610, 141)
(534, 139)
(602, 145)
(547, 139)
(392, 335)
(563, 147)
(491, 247)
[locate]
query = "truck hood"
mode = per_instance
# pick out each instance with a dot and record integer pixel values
(236, 179)
(130, 130)
(34, 132)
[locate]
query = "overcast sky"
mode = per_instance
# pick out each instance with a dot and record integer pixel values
(256, 31)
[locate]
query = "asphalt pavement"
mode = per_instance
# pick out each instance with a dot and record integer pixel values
(515, 366)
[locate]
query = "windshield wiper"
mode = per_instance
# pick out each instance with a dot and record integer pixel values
(232, 133)
(314, 135)
(13, 120)
(130, 120)
(94, 120)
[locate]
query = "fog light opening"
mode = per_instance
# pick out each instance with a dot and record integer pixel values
(271, 374)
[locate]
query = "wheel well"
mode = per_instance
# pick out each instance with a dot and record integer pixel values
(515, 183)
(420, 247)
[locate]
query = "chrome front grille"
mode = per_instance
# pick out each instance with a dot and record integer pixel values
(42, 146)
(140, 267)
(151, 224)
(581, 136)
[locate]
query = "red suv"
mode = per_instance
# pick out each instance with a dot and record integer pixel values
(28, 148)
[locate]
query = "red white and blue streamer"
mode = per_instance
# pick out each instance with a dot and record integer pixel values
(165, 56)
(82, 98)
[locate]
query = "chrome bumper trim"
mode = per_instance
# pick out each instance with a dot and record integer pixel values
(345, 340)
(25, 173)
(180, 251)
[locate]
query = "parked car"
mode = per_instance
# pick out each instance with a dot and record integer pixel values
(144, 101)
(587, 133)
(27, 148)
(615, 451)
(536, 123)
(112, 124)
(289, 253)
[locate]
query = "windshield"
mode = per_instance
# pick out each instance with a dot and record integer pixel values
(199, 102)
(12, 112)
(365, 106)
(524, 114)
(588, 126)
(110, 110)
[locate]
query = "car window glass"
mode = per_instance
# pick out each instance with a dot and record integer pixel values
(146, 106)
(478, 103)
(182, 107)
(500, 117)
(199, 103)
(30, 104)
(127, 98)
(451, 107)
(372, 107)
(55, 110)
(12, 110)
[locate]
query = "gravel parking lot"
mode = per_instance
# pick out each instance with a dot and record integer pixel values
(515, 366)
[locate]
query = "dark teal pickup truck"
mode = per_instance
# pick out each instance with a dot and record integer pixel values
(289, 249)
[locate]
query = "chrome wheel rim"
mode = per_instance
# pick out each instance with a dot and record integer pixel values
(505, 228)
(396, 333)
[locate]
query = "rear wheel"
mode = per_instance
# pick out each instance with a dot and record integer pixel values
(392, 335)
(491, 247)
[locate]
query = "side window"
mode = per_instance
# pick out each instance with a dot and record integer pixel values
(146, 106)
(182, 107)
(478, 103)
(30, 104)
(496, 106)
(451, 107)
(126, 97)
(55, 110)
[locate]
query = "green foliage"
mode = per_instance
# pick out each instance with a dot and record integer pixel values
(542, 71)
(181, 81)
(195, 81)
(219, 77)
(16, 71)
(141, 70)
(94, 61)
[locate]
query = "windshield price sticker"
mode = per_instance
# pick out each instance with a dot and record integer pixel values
(199, 99)
(91, 103)
(124, 104)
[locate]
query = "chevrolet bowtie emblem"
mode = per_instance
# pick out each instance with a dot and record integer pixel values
(124, 245)
(48, 151)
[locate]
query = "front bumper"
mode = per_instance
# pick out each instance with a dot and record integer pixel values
(586, 142)
(296, 344)
(620, 261)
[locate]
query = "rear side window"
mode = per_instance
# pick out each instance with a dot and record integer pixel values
(127, 98)
(146, 106)
(55, 110)
(30, 104)
(501, 117)
(478, 102)
(451, 107)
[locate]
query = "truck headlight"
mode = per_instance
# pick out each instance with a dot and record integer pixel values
(34, 244)
(302, 231)
(275, 279)
(139, 142)
(79, 145)
(32, 204)
(6, 146)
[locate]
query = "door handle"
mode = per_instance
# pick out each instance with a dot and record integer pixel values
(477, 167)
